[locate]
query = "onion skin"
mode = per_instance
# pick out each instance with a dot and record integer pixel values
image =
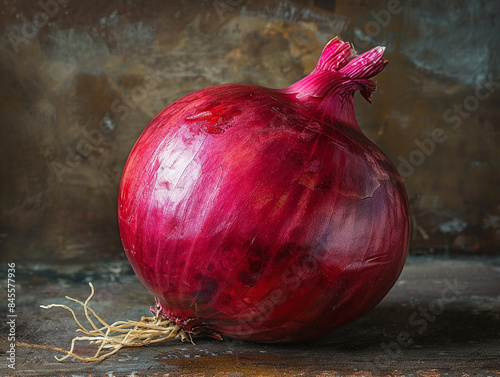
(263, 214)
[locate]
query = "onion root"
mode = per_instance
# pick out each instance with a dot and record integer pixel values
(111, 338)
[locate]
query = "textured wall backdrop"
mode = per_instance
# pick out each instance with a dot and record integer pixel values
(81, 79)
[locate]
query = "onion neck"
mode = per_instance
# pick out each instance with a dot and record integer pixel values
(327, 93)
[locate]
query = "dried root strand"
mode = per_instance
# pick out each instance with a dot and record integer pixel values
(111, 338)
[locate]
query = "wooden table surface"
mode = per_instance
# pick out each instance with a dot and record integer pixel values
(442, 318)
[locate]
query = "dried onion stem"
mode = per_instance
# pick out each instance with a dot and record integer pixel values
(117, 335)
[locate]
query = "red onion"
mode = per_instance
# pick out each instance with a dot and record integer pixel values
(266, 214)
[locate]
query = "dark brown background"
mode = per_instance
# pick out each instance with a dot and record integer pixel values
(106, 68)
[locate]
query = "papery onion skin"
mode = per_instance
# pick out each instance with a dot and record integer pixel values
(263, 214)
